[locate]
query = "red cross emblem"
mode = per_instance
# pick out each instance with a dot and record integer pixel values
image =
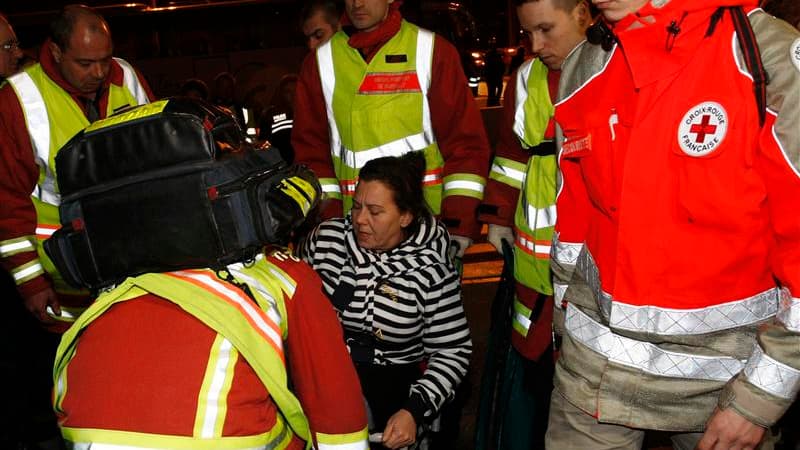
(703, 128)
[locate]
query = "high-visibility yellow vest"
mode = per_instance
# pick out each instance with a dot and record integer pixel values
(535, 215)
(53, 118)
(381, 109)
(253, 327)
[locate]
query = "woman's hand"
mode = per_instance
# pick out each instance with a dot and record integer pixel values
(400, 431)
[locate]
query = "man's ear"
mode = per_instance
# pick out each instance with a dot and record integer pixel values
(55, 50)
(582, 15)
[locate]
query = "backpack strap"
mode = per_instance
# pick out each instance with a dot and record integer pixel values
(752, 58)
(750, 52)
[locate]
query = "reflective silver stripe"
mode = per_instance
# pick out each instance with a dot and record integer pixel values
(15, 246)
(539, 249)
(27, 271)
(328, 79)
(131, 82)
(424, 66)
(464, 184)
(644, 355)
(360, 445)
(521, 95)
(330, 187)
(668, 321)
(399, 147)
(772, 376)
(559, 289)
(539, 218)
(509, 172)
(523, 321)
(45, 231)
(789, 311)
(38, 124)
(199, 443)
(282, 125)
(566, 252)
(273, 311)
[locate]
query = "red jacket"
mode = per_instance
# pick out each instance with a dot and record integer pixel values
(17, 215)
(687, 211)
(456, 122)
(139, 367)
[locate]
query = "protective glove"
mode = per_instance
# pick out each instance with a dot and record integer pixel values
(498, 233)
(458, 245)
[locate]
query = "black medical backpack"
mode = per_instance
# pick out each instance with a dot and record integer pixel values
(168, 186)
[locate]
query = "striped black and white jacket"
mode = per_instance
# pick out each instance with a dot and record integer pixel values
(409, 298)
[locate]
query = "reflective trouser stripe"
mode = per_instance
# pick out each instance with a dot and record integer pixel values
(521, 321)
(27, 271)
(646, 356)
(212, 402)
(19, 245)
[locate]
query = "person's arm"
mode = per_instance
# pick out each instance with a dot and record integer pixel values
(767, 386)
(18, 220)
(507, 169)
(322, 373)
(461, 137)
(446, 341)
(310, 135)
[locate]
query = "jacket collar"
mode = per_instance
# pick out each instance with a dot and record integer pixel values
(658, 41)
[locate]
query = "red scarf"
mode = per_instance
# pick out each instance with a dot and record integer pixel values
(369, 42)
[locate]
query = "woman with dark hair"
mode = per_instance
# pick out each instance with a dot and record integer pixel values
(385, 269)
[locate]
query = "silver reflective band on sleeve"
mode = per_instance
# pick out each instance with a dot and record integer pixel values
(668, 321)
(510, 172)
(464, 184)
(644, 355)
(539, 218)
(132, 82)
(524, 322)
(566, 252)
(27, 270)
(772, 376)
(789, 311)
(331, 188)
(559, 289)
(361, 445)
(14, 246)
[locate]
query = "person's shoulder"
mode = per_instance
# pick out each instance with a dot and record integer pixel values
(583, 63)
(778, 41)
(288, 265)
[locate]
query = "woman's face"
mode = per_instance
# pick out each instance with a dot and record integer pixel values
(377, 221)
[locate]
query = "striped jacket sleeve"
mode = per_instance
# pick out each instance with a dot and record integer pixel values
(447, 343)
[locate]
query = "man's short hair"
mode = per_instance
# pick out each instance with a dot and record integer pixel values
(566, 5)
(61, 27)
(329, 8)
